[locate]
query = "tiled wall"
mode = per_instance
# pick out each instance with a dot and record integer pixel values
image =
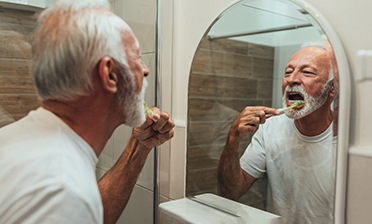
(226, 76)
(17, 92)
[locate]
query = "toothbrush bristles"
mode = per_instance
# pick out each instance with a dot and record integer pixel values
(149, 111)
(296, 104)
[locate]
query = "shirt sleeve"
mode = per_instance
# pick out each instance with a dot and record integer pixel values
(253, 160)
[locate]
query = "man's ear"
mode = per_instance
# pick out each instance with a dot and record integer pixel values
(333, 90)
(107, 75)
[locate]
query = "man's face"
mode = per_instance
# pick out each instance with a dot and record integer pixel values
(307, 78)
(134, 57)
(131, 93)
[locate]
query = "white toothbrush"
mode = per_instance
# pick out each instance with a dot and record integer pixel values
(294, 105)
(149, 112)
(282, 110)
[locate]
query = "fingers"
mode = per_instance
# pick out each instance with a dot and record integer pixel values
(254, 116)
(249, 120)
(163, 123)
(155, 131)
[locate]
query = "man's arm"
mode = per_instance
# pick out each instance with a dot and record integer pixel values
(117, 184)
(233, 181)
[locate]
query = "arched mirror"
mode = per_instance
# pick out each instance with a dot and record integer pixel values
(241, 61)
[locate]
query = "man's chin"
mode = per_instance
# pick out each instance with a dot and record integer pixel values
(137, 118)
(296, 114)
(138, 122)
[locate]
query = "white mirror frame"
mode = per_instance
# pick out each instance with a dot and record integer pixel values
(169, 180)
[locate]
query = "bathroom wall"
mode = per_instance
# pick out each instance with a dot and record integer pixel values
(141, 17)
(226, 76)
(17, 92)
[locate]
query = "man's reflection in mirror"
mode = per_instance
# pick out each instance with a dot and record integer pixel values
(297, 150)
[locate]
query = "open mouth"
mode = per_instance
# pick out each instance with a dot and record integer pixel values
(293, 97)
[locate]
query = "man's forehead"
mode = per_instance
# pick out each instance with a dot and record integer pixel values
(131, 44)
(310, 54)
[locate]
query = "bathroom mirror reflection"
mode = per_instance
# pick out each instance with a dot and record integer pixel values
(241, 61)
(17, 93)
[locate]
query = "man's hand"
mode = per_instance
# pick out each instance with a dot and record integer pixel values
(154, 133)
(249, 119)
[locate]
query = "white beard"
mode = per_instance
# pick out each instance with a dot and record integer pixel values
(138, 115)
(311, 103)
(132, 103)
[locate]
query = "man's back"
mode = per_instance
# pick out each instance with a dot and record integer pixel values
(47, 173)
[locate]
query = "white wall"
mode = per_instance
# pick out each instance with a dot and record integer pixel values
(350, 19)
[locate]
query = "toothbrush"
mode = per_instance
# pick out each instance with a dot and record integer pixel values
(149, 112)
(294, 105)
(282, 110)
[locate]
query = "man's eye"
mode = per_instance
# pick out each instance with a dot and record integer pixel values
(288, 72)
(308, 72)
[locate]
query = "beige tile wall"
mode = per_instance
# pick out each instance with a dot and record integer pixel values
(17, 92)
(359, 200)
(226, 76)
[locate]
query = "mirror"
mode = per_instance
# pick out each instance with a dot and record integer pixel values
(240, 61)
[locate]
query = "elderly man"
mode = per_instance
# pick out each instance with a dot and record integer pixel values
(296, 150)
(88, 71)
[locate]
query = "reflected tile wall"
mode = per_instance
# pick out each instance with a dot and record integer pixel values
(17, 92)
(226, 76)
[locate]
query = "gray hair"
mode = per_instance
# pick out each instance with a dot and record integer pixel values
(70, 39)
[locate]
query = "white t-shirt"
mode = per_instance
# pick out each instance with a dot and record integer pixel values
(300, 169)
(47, 173)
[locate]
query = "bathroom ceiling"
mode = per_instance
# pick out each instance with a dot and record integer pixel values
(257, 21)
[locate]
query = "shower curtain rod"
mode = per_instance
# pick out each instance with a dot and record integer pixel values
(277, 29)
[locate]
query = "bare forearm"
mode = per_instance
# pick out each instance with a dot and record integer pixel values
(232, 180)
(117, 184)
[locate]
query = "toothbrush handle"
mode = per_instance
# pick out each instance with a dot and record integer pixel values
(281, 111)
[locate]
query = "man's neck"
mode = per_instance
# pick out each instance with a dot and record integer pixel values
(92, 122)
(315, 123)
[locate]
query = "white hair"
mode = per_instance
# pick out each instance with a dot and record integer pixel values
(70, 39)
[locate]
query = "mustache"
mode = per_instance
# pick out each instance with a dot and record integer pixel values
(298, 89)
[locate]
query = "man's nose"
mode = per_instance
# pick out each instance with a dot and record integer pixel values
(294, 78)
(145, 69)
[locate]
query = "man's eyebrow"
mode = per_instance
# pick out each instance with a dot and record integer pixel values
(309, 66)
